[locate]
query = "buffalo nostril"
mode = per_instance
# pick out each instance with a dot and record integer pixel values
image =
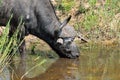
(77, 55)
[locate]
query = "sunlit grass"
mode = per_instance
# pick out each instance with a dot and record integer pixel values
(65, 5)
(98, 19)
(6, 46)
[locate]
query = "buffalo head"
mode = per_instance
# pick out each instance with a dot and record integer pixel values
(64, 44)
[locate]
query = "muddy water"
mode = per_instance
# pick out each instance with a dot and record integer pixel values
(97, 62)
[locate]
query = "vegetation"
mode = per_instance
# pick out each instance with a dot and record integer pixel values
(7, 45)
(98, 20)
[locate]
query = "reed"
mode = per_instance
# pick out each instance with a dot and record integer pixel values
(8, 46)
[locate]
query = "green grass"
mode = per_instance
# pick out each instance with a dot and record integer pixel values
(94, 16)
(68, 4)
(7, 45)
(90, 20)
(65, 5)
(100, 19)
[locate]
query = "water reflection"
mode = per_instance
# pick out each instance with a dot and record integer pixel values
(61, 69)
(96, 62)
(99, 62)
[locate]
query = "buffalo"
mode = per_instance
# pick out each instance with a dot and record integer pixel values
(39, 19)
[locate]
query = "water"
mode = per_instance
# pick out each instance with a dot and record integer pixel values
(97, 62)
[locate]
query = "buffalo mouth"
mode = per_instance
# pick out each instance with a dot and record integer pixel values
(63, 52)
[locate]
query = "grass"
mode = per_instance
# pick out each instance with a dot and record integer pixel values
(102, 18)
(65, 5)
(99, 20)
(6, 46)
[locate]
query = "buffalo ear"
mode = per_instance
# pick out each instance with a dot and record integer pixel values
(65, 22)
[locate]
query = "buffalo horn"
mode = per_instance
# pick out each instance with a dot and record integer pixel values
(65, 22)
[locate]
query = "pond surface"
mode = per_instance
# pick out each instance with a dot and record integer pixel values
(97, 62)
